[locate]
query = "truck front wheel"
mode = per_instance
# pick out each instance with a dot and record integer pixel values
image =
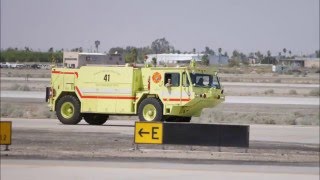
(68, 110)
(96, 119)
(150, 109)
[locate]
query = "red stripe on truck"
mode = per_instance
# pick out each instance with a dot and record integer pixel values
(60, 72)
(103, 97)
(175, 99)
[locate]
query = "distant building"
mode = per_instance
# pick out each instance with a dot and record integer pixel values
(252, 60)
(300, 62)
(311, 62)
(214, 59)
(76, 59)
(174, 58)
(171, 59)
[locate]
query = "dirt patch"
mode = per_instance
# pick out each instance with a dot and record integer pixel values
(271, 78)
(25, 109)
(26, 73)
(261, 114)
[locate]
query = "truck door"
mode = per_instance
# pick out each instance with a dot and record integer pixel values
(185, 89)
(171, 91)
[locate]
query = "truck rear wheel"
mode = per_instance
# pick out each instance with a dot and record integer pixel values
(68, 110)
(150, 109)
(96, 119)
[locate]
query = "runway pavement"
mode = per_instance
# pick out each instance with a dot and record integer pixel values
(83, 170)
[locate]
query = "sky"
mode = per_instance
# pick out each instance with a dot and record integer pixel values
(244, 25)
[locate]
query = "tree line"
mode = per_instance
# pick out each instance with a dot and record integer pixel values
(28, 55)
(133, 54)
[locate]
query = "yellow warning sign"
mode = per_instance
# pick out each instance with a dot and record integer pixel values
(5, 132)
(148, 133)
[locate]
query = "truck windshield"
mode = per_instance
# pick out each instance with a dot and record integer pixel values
(204, 80)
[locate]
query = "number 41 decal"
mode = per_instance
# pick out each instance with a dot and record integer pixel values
(107, 77)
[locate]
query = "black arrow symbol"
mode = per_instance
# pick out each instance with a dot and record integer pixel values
(141, 132)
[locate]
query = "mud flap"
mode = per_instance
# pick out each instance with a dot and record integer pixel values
(47, 93)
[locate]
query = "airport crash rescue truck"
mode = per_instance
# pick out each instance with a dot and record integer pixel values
(152, 93)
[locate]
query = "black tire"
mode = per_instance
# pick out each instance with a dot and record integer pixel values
(155, 108)
(68, 110)
(96, 119)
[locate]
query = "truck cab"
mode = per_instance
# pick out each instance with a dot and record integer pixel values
(185, 91)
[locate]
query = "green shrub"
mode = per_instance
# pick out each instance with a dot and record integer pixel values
(24, 88)
(290, 122)
(293, 92)
(48, 114)
(234, 62)
(277, 81)
(269, 91)
(27, 76)
(314, 92)
(17, 113)
(6, 110)
(268, 121)
(14, 87)
(18, 87)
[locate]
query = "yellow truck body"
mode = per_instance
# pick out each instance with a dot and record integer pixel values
(152, 93)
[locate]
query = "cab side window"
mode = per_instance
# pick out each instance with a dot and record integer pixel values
(174, 78)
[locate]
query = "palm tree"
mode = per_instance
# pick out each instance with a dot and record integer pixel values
(290, 53)
(134, 53)
(220, 50)
(269, 53)
(154, 61)
(97, 43)
(317, 54)
(284, 51)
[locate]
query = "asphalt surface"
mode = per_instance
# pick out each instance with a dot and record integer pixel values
(83, 170)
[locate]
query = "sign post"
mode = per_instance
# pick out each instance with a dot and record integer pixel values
(5, 133)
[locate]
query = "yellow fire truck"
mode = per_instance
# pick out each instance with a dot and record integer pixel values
(152, 93)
